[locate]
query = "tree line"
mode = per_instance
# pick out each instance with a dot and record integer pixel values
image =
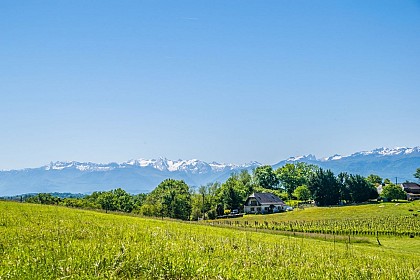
(175, 199)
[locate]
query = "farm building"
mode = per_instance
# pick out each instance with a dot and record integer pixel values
(264, 203)
(412, 190)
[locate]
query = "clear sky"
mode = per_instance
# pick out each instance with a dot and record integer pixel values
(226, 81)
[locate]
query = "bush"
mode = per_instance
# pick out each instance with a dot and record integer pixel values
(392, 192)
(212, 214)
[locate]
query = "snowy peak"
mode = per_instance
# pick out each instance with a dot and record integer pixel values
(164, 164)
(309, 157)
(381, 152)
(398, 151)
(250, 164)
(334, 157)
(160, 163)
(82, 166)
(192, 166)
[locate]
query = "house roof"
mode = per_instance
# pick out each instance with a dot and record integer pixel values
(411, 188)
(409, 185)
(266, 198)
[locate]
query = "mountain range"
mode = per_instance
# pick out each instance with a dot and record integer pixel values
(143, 175)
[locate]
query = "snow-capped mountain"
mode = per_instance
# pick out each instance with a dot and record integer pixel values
(381, 152)
(193, 166)
(393, 163)
(140, 175)
(143, 175)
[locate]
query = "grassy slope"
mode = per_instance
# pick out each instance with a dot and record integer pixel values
(46, 242)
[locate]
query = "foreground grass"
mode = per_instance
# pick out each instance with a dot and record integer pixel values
(47, 242)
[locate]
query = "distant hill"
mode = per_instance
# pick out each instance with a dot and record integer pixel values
(142, 175)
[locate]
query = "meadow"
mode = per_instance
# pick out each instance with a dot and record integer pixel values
(51, 242)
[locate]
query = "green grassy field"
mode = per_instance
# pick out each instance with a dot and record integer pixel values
(50, 242)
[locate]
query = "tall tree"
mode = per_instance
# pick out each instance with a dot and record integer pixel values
(122, 200)
(171, 198)
(292, 175)
(360, 189)
(345, 192)
(203, 201)
(324, 187)
(246, 179)
(232, 193)
(374, 179)
(265, 177)
(106, 200)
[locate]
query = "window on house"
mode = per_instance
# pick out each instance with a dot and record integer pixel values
(252, 209)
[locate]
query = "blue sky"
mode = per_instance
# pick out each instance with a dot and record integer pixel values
(226, 81)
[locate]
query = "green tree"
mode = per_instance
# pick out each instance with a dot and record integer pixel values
(302, 193)
(114, 200)
(203, 201)
(123, 201)
(294, 175)
(231, 194)
(361, 189)
(138, 201)
(171, 198)
(196, 207)
(248, 184)
(417, 174)
(265, 177)
(392, 191)
(345, 192)
(202, 191)
(106, 200)
(44, 198)
(374, 179)
(324, 187)
(387, 181)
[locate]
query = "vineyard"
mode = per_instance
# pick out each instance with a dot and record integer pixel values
(404, 226)
(51, 242)
(374, 221)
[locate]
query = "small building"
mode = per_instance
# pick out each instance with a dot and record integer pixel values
(412, 190)
(264, 203)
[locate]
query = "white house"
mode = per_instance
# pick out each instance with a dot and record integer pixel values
(264, 203)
